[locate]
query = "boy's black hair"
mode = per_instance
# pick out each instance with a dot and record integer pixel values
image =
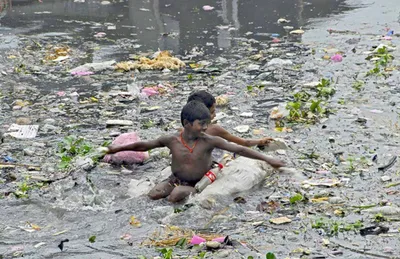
(195, 110)
(204, 97)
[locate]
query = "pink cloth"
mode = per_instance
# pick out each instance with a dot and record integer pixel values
(196, 240)
(126, 157)
(150, 91)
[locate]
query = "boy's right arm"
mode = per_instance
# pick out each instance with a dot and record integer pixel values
(139, 146)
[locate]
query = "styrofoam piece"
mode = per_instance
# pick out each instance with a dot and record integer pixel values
(22, 131)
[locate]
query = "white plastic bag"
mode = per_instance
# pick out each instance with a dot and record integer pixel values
(239, 175)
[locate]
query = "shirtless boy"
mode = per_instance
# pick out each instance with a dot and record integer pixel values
(216, 130)
(191, 153)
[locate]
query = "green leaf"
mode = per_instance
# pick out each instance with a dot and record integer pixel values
(296, 198)
(270, 256)
(182, 242)
(178, 210)
(315, 106)
(92, 239)
(142, 257)
(250, 88)
(294, 105)
(166, 253)
(250, 257)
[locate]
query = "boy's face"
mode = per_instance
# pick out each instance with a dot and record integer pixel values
(198, 126)
(213, 109)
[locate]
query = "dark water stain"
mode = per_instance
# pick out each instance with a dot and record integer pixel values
(145, 22)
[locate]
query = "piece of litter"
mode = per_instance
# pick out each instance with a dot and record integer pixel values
(162, 60)
(22, 131)
(196, 240)
(60, 233)
(322, 182)
(283, 20)
(276, 40)
(119, 123)
(126, 237)
(242, 128)
(134, 222)
(61, 58)
(39, 244)
(221, 100)
(82, 73)
(376, 111)
(100, 35)
(280, 220)
(208, 8)
(337, 58)
(219, 239)
(298, 32)
(246, 114)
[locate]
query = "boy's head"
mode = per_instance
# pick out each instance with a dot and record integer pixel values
(195, 116)
(206, 98)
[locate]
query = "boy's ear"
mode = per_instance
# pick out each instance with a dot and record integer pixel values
(185, 122)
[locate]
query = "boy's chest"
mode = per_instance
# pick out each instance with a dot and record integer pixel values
(191, 152)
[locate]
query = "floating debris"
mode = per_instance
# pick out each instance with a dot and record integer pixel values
(163, 60)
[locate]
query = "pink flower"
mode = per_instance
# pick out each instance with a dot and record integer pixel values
(337, 58)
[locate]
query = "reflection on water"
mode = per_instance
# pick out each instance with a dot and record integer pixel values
(177, 25)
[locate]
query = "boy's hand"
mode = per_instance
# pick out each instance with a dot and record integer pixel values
(275, 163)
(101, 152)
(111, 149)
(264, 141)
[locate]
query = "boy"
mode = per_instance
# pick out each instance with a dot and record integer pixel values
(191, 153)
(216, 130)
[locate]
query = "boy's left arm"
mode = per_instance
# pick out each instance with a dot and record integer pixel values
(245, 151)
(223, 133)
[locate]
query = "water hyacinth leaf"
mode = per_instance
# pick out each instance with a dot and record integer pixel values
(166, 253)
(182, 243)
(315, 107)
(270, 256)
(296, 198)
(92, 239)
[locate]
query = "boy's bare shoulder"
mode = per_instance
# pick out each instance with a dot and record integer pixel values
(166, 139)
(215, 129)
(209, 137)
